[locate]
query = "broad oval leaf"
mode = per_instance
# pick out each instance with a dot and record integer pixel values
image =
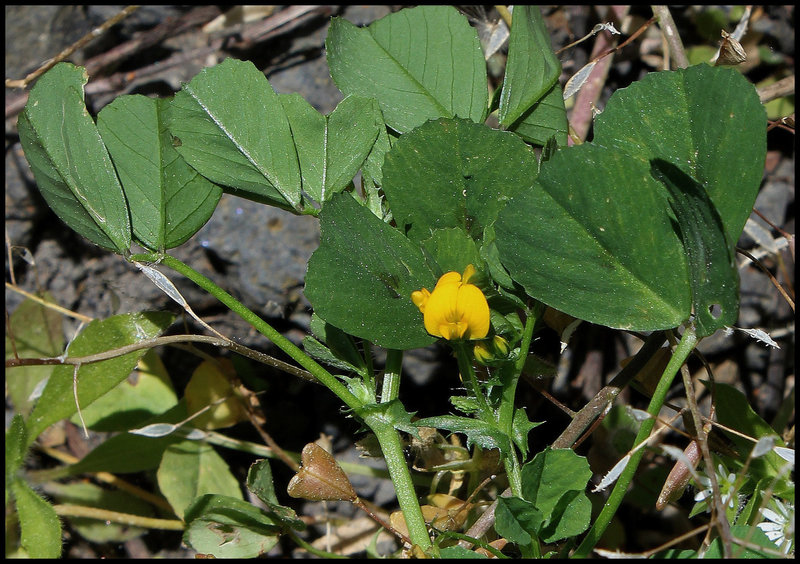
(94, 380)
(190, 469)
(227, 527)
(419, 63)
(546, 119)
(169, 200)
(37, 332)
(581, 242)
(454, 173)
(707, 121)
(70, 162)
(361, 277)
(712, 268)
(228, 124)
(332, 148)
(532, 68)
(596, 237)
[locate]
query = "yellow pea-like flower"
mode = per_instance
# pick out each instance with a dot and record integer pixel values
(455, 309)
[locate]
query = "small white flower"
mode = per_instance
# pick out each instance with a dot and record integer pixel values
(725, 481)
(779, 526)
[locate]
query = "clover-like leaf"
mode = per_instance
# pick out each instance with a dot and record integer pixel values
(597, 236)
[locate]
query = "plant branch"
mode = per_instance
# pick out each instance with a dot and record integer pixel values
(91, 36)
(168, 340)
(701, 437)
(685, 347)
(391, 375)
(784, 87)
(670, 30)
(117, 517)
(325, 377)
(605, 397)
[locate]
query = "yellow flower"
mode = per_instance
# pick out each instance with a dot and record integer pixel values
(486, 352)
(455, 309)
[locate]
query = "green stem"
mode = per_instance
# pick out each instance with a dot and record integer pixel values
(395, 458)
(392, 448)
(129, 519)
(387, 436)
(679, 356)
(510, 375)
(325, 377)
(391, 375)
(511, 378)
(468, 374)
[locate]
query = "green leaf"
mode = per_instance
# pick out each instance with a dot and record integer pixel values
(532, 68)
(361, 277)
(707, 121)
(734, 411)
(16, 448)
(419, 63)
(146, 393)
(712, 270)
(70, 162)
(342, 351)
(570, 517)
(520, 427)
(189, 469)
(39, 524)
(260, 482)
(36, 332)
(169, 201)
(372, 172)
(555, 481)
(478, 432)
(227, 527)
(229, 124)
(458, 552)
(551, 473)
(124, 454)
(454, 173)
(93, 380)
(452, 250)
(596, 237)
(546, 119)
(332, 148)
(516, 519)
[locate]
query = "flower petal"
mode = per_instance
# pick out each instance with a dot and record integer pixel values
(474, 310)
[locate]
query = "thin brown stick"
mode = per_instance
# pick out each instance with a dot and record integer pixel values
(784, 87)
(89, 37)
(167, 340)
(723, 526)
(772, 278)
(592, 410)
(670, 30)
